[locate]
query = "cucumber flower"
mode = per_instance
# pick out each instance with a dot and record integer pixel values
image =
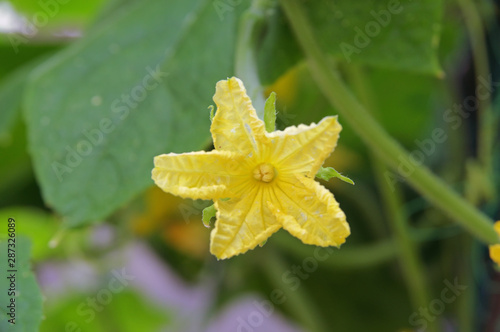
(259, 181)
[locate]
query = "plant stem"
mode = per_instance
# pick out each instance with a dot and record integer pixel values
(349, 258)
(412, 267)
(486, 125)
(298, 301)
(390, 152)
(359, 256)
(251, 23)
(409, 260)
(466, 302)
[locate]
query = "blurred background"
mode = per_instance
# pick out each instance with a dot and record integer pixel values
(91, 91)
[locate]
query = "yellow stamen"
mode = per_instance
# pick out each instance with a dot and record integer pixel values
(264, 173)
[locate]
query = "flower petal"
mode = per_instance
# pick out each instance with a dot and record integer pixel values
(303, 149)
(235, 126)
(309, 211)
(495, 253)
(495, 248)
(199, 175)
(242, 223)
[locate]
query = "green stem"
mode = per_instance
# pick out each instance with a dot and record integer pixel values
(390, 152)
(486, 128)
(249, 29)
(466, 304)
(413, 269)
(363, 256)
(349, 258)
(297, 300)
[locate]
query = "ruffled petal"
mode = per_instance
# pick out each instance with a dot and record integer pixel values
(303, 149)
(242, 223)
(200, 175)
(236, 126)
(309, 211)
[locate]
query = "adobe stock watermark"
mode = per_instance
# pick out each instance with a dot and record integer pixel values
(49, 9)
(225, 6)
(453, 116)
(88, 308)
(364, 37)
(95, 136)
(436, 307)
(292, 279)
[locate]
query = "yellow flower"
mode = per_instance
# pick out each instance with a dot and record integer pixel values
(259, 181)
(495, 248)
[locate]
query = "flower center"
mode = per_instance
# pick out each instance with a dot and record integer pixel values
(264, 173)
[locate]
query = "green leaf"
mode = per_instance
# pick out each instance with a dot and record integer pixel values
(208, 214)
(270, 113)
(408, 36)
(395, 103)
(132, 89)
(28, 299)
(329, 172)
(402, 35)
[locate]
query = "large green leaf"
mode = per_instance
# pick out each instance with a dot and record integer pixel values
(393, 34)
(92, 149)
(27, 298)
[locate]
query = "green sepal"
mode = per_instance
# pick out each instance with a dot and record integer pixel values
(326, 173)
(207, 215)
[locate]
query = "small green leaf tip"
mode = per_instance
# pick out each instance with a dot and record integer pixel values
(270, 113)
(326, 173)
(212, 109)
(207, 215)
